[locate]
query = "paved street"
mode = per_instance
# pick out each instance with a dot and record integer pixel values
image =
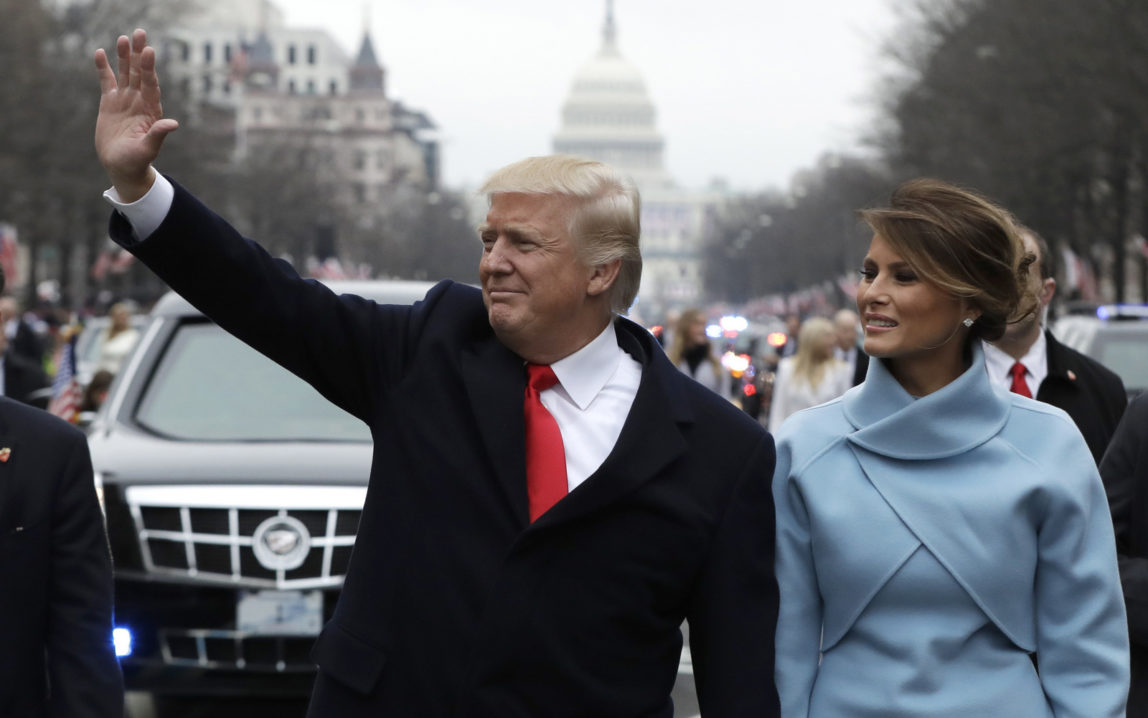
(140, 706)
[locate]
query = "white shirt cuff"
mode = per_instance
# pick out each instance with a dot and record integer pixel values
(147, 213)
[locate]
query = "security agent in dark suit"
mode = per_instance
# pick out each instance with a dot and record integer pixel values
(1125, 473)
(1092, 394)
(56, 653)
(474, 589)
(23, 378)
(22, 338)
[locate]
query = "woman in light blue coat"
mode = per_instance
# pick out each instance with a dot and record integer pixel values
(935, 534)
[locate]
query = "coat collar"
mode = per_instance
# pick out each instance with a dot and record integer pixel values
(888, 421)
(495, 382)
(650, 438)
(895, 435)
(1062, 365)
(10, 471)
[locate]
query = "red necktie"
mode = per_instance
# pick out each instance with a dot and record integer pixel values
(1019, 385)
(545, 456)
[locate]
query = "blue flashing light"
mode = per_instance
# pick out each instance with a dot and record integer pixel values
(122, 640)
(713, 331)
(1122, 311)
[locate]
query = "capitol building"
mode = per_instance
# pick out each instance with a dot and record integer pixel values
(608, 116)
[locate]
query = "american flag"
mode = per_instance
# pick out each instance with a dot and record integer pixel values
(66, 392)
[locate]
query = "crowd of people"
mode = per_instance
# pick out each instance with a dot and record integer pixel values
(923, 532)
(33, 344)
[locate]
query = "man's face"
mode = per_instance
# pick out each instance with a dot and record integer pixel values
(8, 309)
(534, 285)
(846, 327)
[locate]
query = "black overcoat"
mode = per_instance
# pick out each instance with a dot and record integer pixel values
(454, 604)
(1091, 393)
(1125, 473)
(56, 654)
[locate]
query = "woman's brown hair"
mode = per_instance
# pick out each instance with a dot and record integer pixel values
(962, 243)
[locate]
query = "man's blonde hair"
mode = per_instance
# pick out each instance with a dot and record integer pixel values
(606, 221)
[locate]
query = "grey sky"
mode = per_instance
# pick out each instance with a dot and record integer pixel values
(751, 91)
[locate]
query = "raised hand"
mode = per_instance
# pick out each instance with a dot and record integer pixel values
(130, 128)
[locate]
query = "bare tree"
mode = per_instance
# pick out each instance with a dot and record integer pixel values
(1038, 103)
(782, 242)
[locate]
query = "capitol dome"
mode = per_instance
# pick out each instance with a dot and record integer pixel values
(608, 115)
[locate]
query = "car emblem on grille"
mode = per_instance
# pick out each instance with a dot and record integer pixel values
(281, 542)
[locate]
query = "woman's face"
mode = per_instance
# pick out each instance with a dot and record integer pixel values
(904, 316)
(825, 346)
(697, 335)
(120, 317)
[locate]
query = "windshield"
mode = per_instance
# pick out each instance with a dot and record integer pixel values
(208, 386)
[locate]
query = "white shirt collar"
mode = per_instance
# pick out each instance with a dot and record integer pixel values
(999, 364)
(583, 374)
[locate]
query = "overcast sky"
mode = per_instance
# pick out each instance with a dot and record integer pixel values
(747, 90)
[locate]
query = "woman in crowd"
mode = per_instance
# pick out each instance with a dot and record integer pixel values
(118, 339)
(812, 376)
(692, 352)
(938, 539)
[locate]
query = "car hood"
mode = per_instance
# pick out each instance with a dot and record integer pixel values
(126, 456)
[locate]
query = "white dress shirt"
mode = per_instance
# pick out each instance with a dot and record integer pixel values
(597, 383)
(597, 386)
(1035, 360)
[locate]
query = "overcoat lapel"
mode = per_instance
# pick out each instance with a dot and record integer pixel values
(881, 542)
(11, 478)
(651, 436)
(496, 384)
(940, 509)
(8, 473)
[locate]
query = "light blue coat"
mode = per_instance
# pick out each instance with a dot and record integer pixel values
(925, 547)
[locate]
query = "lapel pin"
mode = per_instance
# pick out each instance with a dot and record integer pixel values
(1071, 377)
(5, 453)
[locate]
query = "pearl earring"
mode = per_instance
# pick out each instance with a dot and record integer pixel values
(968, 321)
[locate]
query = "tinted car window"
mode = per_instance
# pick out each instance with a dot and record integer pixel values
(1124, 354)
(210, 387)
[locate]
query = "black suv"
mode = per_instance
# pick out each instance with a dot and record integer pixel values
(232, 491)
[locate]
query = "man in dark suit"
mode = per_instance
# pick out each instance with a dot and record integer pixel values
(1030, 361)
(526, 548)
(56, 654)
(22, 377)
(848, 349)
(22, 337)
(1125, 473)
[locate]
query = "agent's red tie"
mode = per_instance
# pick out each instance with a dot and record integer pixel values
(545, 455)
(1019, 385)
